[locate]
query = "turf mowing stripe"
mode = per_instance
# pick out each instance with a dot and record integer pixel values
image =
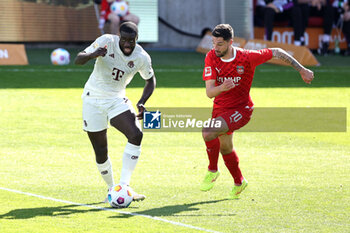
(108, 209)
(274, 70)
(89, 70)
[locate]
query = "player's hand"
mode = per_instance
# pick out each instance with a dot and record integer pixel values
(307, 75)
(141, 108)
(272, 6)
(228, 84)
(99, 52)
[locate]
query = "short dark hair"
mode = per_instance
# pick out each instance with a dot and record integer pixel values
(223, 30)
(129, 27)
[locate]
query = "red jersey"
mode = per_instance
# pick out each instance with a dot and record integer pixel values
(240, 69)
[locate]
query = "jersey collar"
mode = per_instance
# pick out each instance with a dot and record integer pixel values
(231, 59)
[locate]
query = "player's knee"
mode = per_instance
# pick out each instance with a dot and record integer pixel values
(135, 137)
(207, 135)
(226, 147)
(269, 12)
(115, 22)
(225, 150)
(136, 20)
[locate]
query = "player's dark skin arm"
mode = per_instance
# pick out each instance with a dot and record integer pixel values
(147, 92)
(306, 74)
(84, 57)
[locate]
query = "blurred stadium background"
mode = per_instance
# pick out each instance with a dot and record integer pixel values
(75, 20)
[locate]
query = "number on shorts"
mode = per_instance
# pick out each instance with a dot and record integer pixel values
(235, 117)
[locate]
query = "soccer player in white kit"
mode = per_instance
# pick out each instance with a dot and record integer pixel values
(118, 59)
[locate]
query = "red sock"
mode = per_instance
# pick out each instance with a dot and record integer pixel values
(213, 149)
(231, 162)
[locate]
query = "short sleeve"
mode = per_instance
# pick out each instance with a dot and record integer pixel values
(258, 57)
(99, 42)
(146, 70)
(209, 71)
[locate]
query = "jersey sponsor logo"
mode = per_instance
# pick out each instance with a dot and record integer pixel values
(240, 69)
(111, 55)
(151, 120)
(207, 71)
(131, 64)
(117, 74)
(234, 79)
(104, 172)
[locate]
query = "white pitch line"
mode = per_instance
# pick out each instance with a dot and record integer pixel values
(109, 209)
(175, 70)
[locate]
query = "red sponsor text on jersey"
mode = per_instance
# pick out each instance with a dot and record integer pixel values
(240, 69)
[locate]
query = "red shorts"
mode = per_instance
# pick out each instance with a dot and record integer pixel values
(235, 118)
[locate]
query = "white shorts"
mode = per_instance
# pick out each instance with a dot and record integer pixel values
(98, 112)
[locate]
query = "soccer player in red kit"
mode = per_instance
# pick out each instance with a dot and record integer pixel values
(228, 76)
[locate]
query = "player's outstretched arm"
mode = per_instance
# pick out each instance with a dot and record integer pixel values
(147, 92)
(306, 74)
(84, 57)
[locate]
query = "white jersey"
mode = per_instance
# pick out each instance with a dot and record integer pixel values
(113, 72)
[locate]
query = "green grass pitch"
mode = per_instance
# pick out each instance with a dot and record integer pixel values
(298, 182)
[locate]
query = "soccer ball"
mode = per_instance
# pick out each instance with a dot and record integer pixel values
(120, 196)
(119, 8)
(60, 57)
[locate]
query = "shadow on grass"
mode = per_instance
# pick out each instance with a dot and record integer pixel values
(66, 210)
(174, 210)
(47, 211)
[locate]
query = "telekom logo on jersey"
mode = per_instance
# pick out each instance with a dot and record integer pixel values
(117, 74)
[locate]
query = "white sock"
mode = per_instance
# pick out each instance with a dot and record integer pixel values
(106, 172)
(130, 157)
